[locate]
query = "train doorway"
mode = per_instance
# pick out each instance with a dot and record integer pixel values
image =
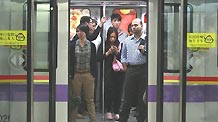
(96, 10)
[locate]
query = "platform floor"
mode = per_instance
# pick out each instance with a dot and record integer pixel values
(100, 118)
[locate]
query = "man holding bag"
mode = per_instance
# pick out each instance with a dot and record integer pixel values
(133, 58)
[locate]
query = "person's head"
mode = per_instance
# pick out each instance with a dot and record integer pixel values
(116, 20)
(82, 30)
(94, 22)
(92, 25)
(112, 35)
(85, 19)
(136, 26)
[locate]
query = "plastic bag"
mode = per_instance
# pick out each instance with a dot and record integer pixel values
(117, 65)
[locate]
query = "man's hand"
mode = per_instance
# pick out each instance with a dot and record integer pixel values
(141, 48)
(103, 20)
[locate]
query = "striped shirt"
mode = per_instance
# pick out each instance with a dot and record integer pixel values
(130, 53)
(83, 56)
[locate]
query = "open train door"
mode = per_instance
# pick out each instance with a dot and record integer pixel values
(96, 9)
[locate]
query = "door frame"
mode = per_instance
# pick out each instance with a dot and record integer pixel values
(52, 59)
(53, 34)
(30, 67)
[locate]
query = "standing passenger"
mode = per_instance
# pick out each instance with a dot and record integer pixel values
(115, 21)
(133, 57)
(83, 70)
(92, 28)
(82, 110)
(113, 79)
(122, 35)
(92, 35)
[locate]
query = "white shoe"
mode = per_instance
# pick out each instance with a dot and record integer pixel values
(109, 116)
(116, 117)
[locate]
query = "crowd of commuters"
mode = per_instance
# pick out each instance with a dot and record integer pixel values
(87, 48)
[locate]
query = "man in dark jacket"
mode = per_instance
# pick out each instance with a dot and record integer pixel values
(88, 20)
(91, 36)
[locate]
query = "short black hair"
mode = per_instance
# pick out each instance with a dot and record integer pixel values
(116, 16)
(84, 19)
(83, 27)
(94, 21)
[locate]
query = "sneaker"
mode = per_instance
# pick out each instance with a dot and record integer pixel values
(109, 116)
(116, 117)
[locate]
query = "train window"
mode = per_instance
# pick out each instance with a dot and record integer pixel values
(42, 37)
(172, 36)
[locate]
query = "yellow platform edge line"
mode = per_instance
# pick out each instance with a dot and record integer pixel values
(192, 82)
(23, 81)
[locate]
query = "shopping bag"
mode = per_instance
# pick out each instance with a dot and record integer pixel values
(117, 65)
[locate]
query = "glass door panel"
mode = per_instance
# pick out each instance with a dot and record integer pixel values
(202, 61)
(13, 82)
(172, 44)
(202, 47)
(41, 61)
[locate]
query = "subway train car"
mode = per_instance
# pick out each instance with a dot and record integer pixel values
(46, 95)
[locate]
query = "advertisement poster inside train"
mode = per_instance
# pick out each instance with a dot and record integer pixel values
(75, 15)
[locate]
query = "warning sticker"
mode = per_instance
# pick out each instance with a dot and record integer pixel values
(13, 37)
(201, 40)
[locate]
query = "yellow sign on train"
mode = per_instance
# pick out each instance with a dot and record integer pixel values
(13, 37)
(201, 40)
